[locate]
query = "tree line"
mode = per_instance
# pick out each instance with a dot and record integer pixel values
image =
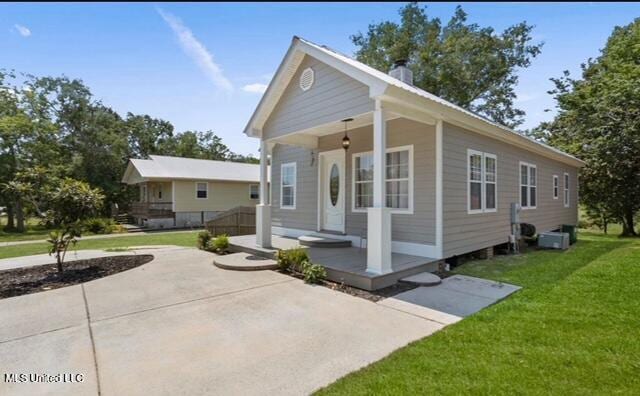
(52, 130)
(475, 67)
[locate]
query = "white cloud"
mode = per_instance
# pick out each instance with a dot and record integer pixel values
(22, 30)
(255, 88)
(196, 51)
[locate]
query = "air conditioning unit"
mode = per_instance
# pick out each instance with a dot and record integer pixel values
(554, 240)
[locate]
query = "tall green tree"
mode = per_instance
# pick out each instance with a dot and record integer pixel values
(598, 120)
(474, 67)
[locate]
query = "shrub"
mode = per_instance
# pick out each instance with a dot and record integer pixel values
(97, 225)
(220, 244)
(283, 260)
(204, 237)
(291, 259)
(313, 273)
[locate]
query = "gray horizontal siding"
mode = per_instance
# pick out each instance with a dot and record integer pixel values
(465, 232)
(332, 97)
(418, 227)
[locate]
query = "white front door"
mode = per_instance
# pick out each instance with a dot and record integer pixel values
(332, 190)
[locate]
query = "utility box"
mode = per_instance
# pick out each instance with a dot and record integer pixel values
(515, 213)
(572, 231)
(554, 240)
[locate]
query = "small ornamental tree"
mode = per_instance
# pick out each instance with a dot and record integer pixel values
(71, 203)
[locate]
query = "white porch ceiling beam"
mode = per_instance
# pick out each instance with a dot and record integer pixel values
(300, 140)
(410, 112)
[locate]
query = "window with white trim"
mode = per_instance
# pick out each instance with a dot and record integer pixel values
(288, 186)
(482, 179)
(362, 181)
(202, 190)
(254, 191)
(556, 187)
(566, 190)
(159, 191)
(398, 179)
(528, 185)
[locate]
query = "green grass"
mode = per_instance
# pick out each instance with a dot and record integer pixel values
(573, 329)
(34, 231)
(121, 242)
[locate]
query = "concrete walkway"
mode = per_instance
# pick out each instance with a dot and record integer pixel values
(454, 298)
(73, 255)
(102, 236)
(179, 325)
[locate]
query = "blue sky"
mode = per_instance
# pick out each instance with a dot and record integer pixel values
(202, 66)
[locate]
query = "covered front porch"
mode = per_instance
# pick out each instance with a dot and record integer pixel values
(380, 192)
(344, 264)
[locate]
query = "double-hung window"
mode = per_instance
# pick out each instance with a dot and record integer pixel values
(398, 180)
(566, 190)
(528, 186)
(254, 191)
(288, 186)
(556, 187)
(202, 190)
(482, 179)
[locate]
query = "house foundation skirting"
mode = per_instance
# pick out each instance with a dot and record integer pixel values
(411, 248)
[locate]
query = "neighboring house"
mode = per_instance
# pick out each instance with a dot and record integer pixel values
(421, 176)
(184, 192)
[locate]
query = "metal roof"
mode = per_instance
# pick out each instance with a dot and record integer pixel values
(165, 167)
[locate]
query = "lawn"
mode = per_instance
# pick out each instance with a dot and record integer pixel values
(34, 231)
(573, 329)
(179, 238)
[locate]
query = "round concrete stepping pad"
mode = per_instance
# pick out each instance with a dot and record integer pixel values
(321, 241)
(423, 279)
(244, 262)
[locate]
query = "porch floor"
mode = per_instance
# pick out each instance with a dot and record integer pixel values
(347, 264)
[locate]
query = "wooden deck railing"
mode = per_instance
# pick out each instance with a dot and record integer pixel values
(240, 220)
(152, 209)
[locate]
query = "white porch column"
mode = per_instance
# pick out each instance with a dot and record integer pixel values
(379, 216)
(263, 210)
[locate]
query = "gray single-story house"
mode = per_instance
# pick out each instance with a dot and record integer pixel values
(362, 155)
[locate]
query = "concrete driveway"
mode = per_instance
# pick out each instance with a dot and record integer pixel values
(179, 325)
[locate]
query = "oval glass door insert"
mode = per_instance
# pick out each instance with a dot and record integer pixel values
(334, 184)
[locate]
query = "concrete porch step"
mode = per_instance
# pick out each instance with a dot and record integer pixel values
(423, 279)
(244, 262)
(321, 241)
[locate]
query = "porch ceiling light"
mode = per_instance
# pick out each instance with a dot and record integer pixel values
(346, 142)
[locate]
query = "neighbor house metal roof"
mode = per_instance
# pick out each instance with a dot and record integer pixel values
(165, 167)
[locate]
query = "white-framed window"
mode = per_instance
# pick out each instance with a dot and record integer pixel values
(567, 203)
(202, 190)
(398, 179)
(288, 186)
(482, 182)
(254, 191)
(556, 187)
(528, 186)
(159, 191)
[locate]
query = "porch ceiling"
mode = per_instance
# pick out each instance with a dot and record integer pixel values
(309, 137)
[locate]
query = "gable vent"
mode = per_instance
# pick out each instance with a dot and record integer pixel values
(306, 79)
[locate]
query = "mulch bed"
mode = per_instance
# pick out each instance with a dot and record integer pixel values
(27, 280)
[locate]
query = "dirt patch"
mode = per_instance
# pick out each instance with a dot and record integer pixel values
(20, 281)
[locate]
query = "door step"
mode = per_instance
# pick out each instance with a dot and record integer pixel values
(322, 241)
(244, 262)
(423, 279)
